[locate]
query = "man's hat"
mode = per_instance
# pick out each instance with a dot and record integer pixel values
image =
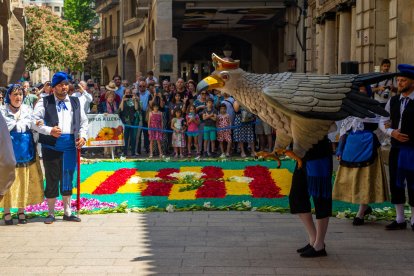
(406, 70)
(111, 86)
(59, 77)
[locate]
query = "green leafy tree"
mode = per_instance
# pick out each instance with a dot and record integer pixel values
(50, 41)
(79, 14)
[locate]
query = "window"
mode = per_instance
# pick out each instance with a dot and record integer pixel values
(133, 8)
(110, 25)
(57, 9)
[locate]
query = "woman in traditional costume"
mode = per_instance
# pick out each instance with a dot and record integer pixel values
(361, 176)
(27, 188)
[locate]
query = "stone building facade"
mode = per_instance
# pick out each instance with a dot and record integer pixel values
(364, 31)
(12, 27)
(314, 36)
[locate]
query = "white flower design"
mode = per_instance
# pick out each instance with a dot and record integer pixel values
(247, 204)
(241, 179)
(182, 175)
(170, 208)
(207, 204)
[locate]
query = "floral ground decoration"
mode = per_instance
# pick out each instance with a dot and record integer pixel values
(108, 187)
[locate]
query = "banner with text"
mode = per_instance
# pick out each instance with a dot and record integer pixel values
(105, 130)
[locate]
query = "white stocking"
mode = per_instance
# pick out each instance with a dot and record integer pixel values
(399, 210)
(66, 205)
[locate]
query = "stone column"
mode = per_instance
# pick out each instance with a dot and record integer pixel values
(329, 63)
(320, 44)
(164, 43)
(344, 38)
(353, 33)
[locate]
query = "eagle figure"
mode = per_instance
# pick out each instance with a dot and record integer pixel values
(301, 107)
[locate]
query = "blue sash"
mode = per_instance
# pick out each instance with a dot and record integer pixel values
(23, 146)
(405, 171)
(319, 177)
(66, 144)
(359, 149)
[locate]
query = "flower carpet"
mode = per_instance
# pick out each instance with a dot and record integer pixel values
(146, 184)
(111, 186)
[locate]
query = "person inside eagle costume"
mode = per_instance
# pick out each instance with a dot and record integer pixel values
(302, 108)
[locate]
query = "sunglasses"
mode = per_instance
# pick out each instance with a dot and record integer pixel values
(142, 86)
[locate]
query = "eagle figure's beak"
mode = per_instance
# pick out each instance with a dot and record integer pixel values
(210, 82)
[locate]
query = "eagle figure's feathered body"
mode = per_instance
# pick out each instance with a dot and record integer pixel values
(301, 107)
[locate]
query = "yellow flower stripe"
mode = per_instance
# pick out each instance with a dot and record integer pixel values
(229, 173)
(283, 179)
(175, 193)
(237, 188)
(191, 169)
(147, 174)
(92, 182)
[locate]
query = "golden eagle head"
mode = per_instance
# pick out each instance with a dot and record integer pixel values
(224, 77)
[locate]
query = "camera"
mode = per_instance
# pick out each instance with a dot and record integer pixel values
(128, 96)
(386, 93)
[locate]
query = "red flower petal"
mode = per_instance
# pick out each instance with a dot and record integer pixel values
(157, 189)
(212, 172)
(114, 182)
(262, 185)
(164, 173)
(212, 188)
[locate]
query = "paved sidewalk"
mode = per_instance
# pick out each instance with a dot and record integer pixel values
(230, 243)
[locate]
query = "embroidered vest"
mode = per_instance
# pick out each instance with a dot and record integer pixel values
(407, 122)
(51, 118)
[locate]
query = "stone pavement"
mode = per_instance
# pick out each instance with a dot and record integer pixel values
(192, 243)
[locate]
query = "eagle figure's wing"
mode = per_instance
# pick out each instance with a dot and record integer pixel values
(327, 97)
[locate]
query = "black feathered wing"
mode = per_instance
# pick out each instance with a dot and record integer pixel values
(327, 97)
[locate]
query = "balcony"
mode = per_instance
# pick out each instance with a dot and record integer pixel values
(131, 25)
(102, 6)
(107, 47)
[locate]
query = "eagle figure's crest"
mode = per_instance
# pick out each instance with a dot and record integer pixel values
(222, 64)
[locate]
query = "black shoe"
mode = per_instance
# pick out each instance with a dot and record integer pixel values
(71, 218)
(312, 253)
(8, 221)
(412, 226)
(23, 220)
(394, 225)
(358, 221)
(49, 219)
(303, 249)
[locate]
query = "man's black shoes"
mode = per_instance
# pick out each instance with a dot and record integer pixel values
(394, 225)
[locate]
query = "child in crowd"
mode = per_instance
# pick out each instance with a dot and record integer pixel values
(223, 121)
(178, 138)
(210, 118)
(155, 121)
(193, 120)
(176, 103)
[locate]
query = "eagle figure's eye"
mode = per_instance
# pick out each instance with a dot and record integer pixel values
(225, 76)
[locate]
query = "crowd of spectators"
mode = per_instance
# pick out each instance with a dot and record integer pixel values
(166, 118)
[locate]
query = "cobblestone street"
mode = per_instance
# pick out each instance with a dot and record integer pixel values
(212, 243)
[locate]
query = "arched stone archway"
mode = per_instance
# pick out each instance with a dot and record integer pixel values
(130, 66)
(142, 58)
(195, 61)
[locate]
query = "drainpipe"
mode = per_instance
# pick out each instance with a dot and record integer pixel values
(121, 39)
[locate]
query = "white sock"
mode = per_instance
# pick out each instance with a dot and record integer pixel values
(51, 206)
(399, 210)
(66, 205)
(412, 215)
